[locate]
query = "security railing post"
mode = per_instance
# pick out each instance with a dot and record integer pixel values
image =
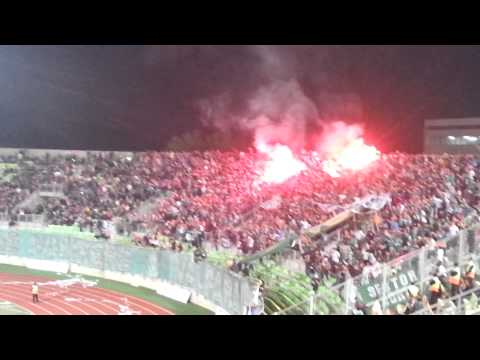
(422, 266)
(384, 286)
(461, 246)
(347, 292)
(476, 240)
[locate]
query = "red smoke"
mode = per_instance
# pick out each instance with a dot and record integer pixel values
(342, 147)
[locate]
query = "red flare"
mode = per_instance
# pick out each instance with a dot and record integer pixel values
(282, 164)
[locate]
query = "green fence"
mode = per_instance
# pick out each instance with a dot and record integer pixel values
(221, 287)
(388, 283)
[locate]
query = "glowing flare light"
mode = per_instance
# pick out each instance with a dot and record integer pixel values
(355, 156)
(281, 165)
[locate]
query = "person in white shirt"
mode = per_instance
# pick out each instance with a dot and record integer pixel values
(189, 237)
(442, 274)
(437, 202)
(441, 270)
(413, 291)
(335, 256)
(453, 230)
(365, 255)
(440, 255)
(35, 292)
(377, 308)
(250, 244)
(359, 235)
(305, 225)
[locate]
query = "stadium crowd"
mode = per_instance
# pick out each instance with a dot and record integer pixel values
(219, 198)
(86, 191)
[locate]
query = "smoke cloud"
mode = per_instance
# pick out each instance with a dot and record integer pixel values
(336, 136)
(279, 113)
(293, 95)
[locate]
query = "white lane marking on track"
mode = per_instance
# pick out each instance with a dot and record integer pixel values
(18, 300)
(50, 301)
(111, 295)
(150, 308)
(100, 308)
(63, 284)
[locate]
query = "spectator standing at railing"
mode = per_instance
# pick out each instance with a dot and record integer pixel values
(470, 274)
(413, 291)
(441, 273)
(414, 305)
(455, 282)
(315, 281)
(441, 255)
(377, 308)
(436, 290)
(359, 308)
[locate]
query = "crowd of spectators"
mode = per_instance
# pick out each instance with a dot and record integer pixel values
(76, 190)
(219, 198)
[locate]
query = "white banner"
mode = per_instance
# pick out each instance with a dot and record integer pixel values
(371, 203)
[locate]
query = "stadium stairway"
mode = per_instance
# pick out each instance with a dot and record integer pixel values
(32, 201)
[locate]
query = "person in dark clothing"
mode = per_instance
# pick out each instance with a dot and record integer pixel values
(359, 308)
(235, 266)
(455, 281)
(413, 306)
(315, 281)
(245, 269)
(199, 255)
(436, 291)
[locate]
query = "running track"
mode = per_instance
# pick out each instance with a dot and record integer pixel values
(74, 300)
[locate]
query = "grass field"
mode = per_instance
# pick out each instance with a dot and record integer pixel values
(7, 308)
(143, 293)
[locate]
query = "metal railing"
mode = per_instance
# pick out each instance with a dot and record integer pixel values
(31, 218)
(388, 282)
(465, 303)
(52, 188)
(23, 218)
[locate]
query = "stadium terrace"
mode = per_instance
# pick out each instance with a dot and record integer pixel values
(215, 201)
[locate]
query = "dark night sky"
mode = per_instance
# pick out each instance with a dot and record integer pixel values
(136, 97)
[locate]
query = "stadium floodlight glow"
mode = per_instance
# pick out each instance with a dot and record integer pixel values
(451, 138)
(470, 138)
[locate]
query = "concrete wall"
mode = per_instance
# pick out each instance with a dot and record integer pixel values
(170, 274)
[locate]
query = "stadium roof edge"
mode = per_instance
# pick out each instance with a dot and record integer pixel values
(452, 121)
